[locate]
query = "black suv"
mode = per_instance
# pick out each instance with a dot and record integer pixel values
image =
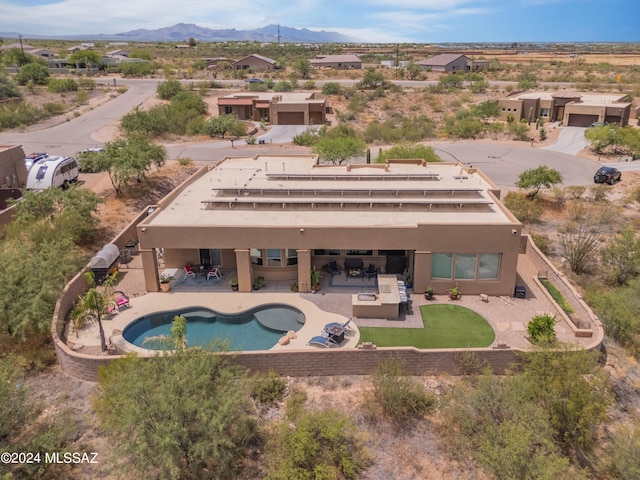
(607, 175)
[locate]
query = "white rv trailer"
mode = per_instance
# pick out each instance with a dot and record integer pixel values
(52, 171)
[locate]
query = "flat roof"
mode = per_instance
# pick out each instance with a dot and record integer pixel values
(286, 191)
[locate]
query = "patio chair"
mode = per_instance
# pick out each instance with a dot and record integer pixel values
(322, 341)
(188, 273)
(333, 268)
(215, 273)
(371, 271)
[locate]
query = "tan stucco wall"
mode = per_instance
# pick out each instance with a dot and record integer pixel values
(13, 172)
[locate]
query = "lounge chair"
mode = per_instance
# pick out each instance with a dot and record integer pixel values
(344, 325)
(322, 341)
(215, 273)
(121, 299)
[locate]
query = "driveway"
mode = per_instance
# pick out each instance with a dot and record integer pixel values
(570, 141)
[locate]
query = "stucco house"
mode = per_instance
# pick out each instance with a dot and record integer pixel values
(446, 63)
(336, 62)
(254, 62)
(281, 216)
(573, 109)
(276, 108)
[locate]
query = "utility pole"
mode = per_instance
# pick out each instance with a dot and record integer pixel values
(278, 34)
(24, 59)
(397, 58)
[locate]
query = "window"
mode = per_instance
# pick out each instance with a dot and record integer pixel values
(544, 112)
(489, 267)
(292, 256)
(466, 266)
(210, 257)
(333, 253)
(441, 265)
(41, 172)
(274, 257)
(359, 252)
(256, 256)
(228, 110)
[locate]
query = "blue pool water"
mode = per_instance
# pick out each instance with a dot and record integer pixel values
(256, 329)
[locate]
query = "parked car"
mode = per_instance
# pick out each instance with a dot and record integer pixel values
(32, 158)
(607, 175)
(254, 80)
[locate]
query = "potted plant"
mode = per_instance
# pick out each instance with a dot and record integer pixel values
(315, 280)
(258, 282)
(165, 282)
(454, 293)
(233, 283)
(428, 293)
(409, 282)
(294, 287)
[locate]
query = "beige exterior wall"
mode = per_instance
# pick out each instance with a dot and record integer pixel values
(13, 172)
(254, 63)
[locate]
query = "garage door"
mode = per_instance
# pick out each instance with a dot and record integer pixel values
(291, 118)
(581, 120)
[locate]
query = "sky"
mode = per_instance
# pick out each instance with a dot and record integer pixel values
(376, 21)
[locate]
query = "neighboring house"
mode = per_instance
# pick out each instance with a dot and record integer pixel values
(42, 52)
(30, 49)
(76, 48)
(276, 108)
(117, 53)
(24, 46)
(279, 216)
(572, 109)
(255, 62)
(336, 62)
(447, 63)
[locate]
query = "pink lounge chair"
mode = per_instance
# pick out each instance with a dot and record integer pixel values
(121, 300)
(215, 273)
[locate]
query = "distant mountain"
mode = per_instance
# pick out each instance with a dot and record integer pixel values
(181, 32)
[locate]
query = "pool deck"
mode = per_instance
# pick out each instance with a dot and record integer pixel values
(508, 316)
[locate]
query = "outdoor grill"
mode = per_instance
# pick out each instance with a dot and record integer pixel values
(105, 262)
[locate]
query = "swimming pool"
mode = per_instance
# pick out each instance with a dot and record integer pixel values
(255, 329)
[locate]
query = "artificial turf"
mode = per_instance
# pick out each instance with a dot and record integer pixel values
(445, 326)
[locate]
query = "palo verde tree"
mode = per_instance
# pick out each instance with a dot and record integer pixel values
(339, 144)
(39, 252)
(88, 58)
(409, 150)
(621, 254)
(128, 159)
(539, 177)
(178, 415)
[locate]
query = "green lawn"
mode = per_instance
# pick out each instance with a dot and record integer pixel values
(445, 326)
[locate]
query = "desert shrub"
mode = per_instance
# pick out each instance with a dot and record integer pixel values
(283, 86)
(268, 388)
(259, 87)
(409, 150)
(306, 139)
(624, 451)
(81, 97)
(599, 193)
(168, 89)
(15, 115)
(396, 394)
(331, 88)
(86, 83)
(524, 209)
(541, 241)
(519, 131)
(185, 161)
(58, 85)
(575, 191)
(53, 108)
(309, 85)
(317, 445)
(8, 88)
(540, 329)
(251, 140)
(137, 69)
(33, 73)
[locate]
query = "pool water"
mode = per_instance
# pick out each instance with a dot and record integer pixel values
(256, 329)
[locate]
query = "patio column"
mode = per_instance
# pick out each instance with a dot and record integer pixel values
(304, 271)
(421, 271)
(150, 269)
(243, 265)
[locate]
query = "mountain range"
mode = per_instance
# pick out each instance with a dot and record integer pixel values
(181, 32)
